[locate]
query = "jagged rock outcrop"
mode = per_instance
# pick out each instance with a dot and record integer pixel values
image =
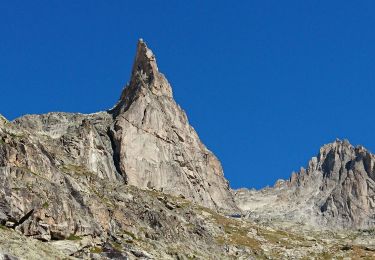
(336, 190)
(46, 169)
(54, 167)
(155, 145)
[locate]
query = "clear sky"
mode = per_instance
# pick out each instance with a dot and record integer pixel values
(264, 83)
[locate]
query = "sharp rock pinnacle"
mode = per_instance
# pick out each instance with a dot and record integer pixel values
(145, 78)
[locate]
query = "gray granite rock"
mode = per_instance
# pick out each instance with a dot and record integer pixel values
(155, 145)
(64, 176)
(335, 191)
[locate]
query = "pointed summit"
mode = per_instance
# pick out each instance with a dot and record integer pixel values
(145, 61)
(154, 145)
(145, 72)
(145, 78)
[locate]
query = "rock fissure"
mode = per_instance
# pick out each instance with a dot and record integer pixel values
(23, 219)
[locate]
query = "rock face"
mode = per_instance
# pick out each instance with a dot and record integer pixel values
(135, 182)
(336, 190)
(145, 141)
(46, 170)
(156, 147)
(53, 166)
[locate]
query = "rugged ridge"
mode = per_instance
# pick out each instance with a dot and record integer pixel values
(335, 191)
(53, 166)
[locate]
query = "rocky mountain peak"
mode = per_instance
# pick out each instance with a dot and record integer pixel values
(335, 190)
(145, 72)
(145, 79)
(335, 157)
(155, 146)
(338, 146)
(145, 61)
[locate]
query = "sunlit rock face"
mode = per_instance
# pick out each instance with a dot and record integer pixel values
(335, 191)
(55, 167)
(155, 145)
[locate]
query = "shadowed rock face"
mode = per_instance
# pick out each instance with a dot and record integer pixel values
(336, 190)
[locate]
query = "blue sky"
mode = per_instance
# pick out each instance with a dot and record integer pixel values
(264, 83)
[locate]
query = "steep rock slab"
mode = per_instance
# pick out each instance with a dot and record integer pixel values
(68, 141)
(155, 145)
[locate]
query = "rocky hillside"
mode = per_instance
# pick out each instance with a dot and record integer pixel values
(337, 190)
(136, 182)
(66, 175)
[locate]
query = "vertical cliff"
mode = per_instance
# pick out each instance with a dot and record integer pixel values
(155, 145)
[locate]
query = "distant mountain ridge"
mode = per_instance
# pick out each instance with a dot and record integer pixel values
(336, 190)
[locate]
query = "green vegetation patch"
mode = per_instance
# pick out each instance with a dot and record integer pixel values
(74, 237)
(130, 234)
(116, 246)
(45, 205)
(235, 234)
(3, 227)
(76, 169)
(96, 250)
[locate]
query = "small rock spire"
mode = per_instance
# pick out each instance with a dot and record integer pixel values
(145, 61)
(145, 72)
(145, 78)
